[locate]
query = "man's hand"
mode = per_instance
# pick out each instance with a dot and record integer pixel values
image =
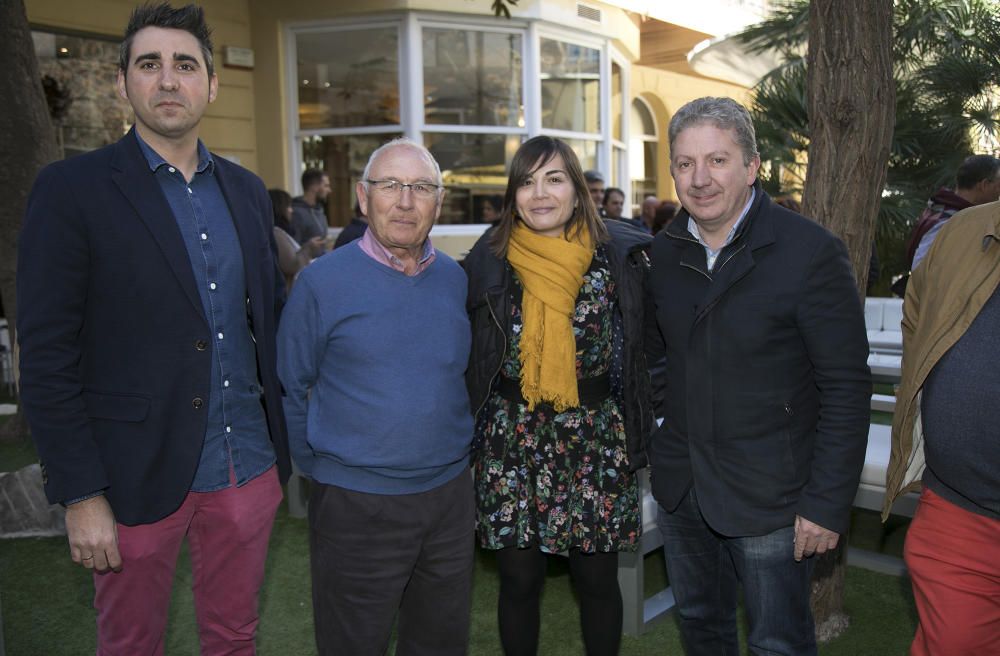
(93, 534)
(316, 246)
(812, 538)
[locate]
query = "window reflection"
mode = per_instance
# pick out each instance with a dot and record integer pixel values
(343, 158)
(473, 166)
(472, 77)
(348, 78)
(571, 84)
(585, 150)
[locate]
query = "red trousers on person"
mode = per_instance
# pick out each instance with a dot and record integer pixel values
(954, 560)
(228, 531)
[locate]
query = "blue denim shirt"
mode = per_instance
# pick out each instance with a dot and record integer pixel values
(237, 431)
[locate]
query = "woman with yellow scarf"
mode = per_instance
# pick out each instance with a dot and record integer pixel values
(559, 384)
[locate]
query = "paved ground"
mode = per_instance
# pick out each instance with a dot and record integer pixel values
(24, 510)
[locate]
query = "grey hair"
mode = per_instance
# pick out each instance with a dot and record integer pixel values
(723, 113)
(403, 142)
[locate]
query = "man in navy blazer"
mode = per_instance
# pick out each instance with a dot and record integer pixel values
(147, 331)
(767, 387)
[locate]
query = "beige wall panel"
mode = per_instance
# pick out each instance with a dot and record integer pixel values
(223, 134)
(232, 102)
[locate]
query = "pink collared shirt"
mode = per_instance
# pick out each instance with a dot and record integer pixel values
(373, 249)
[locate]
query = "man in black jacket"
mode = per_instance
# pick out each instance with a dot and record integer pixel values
(765, 408)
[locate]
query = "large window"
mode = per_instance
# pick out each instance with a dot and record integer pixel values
(461, 88)
(349, 78)
(472, 77)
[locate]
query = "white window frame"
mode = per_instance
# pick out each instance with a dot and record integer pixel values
(409, 26)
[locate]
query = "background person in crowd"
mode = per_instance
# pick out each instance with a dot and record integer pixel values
(309, 224)
(613, 203)
(353, 230)
(944, 436)
(490, 209)
(614, 208)
(561, 393)
(647, 212)
(766, 404)
(374, 343)
(977, 182)
(665, 213)
(595, 186)
(140, 378)
(292, 258)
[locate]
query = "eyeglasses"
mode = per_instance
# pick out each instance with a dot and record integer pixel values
(423, 190)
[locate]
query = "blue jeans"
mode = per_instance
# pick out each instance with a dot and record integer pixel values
(705, 569)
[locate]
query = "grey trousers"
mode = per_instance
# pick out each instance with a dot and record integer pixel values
(374, 556)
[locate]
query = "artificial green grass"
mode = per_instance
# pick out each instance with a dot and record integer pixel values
(46, 599)
(46, 602)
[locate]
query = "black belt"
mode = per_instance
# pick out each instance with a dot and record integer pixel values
(591, 390)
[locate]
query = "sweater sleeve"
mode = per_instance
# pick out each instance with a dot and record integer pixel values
(301, 348)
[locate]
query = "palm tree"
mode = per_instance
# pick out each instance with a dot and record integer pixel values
(947, 72)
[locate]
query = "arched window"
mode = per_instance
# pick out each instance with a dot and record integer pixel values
(643, 147)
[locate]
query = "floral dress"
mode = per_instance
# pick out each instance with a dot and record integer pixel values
(559, 481)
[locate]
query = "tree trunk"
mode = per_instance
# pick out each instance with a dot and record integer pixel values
(29, 144)
(851, 116)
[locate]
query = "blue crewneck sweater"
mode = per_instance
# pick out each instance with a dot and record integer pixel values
(372, 362)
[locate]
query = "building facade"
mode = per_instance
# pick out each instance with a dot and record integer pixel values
(321, 83)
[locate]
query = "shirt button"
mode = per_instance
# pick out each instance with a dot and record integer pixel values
(196, 402)
(204, 236)
(211, 285)
(221, 336)
(225, 383)
(229, 429)
(172, 169)
(189, 190)
(200, 344)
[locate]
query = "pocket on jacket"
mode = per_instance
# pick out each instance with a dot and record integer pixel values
(117, 407)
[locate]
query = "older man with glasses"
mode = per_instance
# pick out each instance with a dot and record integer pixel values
(373, 347)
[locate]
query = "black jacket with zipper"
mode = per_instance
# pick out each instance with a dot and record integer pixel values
(490, 280)
(765, 410)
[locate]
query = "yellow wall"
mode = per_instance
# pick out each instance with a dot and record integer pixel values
(666, 92)
(228, 127)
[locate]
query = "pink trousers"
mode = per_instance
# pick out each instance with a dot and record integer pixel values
(228, 531)
(954, 560)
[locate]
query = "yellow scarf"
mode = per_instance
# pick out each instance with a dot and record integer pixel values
(551, 273)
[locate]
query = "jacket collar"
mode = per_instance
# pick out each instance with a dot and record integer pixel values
(756, 229)
(131, 173)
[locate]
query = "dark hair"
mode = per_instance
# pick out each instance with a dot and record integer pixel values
(311, 177)
(280, 202)
(495, 201)
(190, 18)
(665, 213)
(532, 155)
(591, 175)
(612, 190)
(975, 169)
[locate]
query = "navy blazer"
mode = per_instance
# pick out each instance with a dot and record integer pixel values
(767, 387)
(116, 352)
